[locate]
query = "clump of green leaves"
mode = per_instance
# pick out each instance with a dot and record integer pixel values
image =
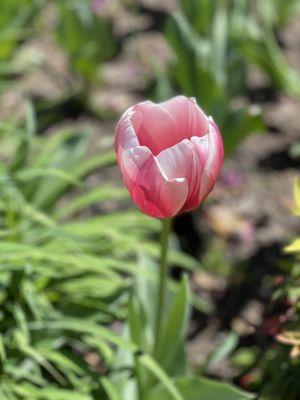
(214, 42)
(63, 281)
(14, 23)
(87, 38)
(77, 294)
(67, 275)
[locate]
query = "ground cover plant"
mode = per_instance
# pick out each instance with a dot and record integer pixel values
(79, 263)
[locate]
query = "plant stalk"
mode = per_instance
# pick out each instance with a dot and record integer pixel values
(163, 277)
(140, 391)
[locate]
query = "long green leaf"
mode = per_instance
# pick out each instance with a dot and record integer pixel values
(201, 388)
(160, 374)
(174, 328)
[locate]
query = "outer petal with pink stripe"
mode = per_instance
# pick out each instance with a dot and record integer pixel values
(170, 155)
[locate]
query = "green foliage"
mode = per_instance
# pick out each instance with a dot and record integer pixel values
(207, 68)
(67, 276)
(14, 20)
(165, 376)
(78, 283)
(221, 351)
(280, 376)
(87, 38)
(214, 42)
(54, 271)
(278, 12)
(197, 388)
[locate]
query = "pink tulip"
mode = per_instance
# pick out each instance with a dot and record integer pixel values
(170, 155)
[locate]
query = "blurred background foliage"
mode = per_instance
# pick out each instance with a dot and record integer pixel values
(73, 247)
(78, 31)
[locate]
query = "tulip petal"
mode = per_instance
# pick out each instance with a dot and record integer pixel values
(168, 123)
(170, 155)
(188, 115)
(201, 146)
(216, 150)
(125, 136)
(157, 129)
(213, 151)
(182, 160)
(152, 191)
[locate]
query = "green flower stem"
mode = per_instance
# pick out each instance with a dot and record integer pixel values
(163, 277)
(138, 375)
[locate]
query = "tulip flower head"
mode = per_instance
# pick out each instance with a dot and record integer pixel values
(170, 155)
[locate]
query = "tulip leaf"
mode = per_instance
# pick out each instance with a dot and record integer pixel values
(221, 351)
(173, 332)
(239, 124)
(87, 38)
(160, 374)
(110, 389)
(95, 196)
(137, 320)
(219, 43)
(201, 388)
